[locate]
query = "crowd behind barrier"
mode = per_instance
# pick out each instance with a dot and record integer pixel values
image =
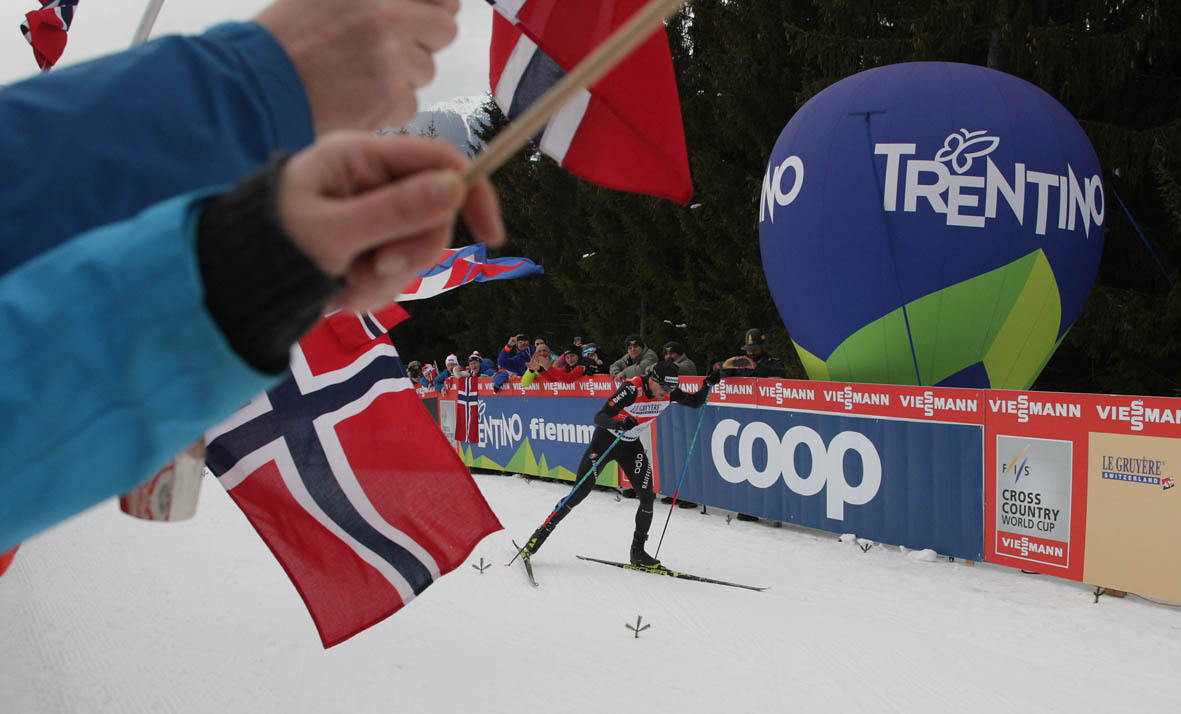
(1078, 486)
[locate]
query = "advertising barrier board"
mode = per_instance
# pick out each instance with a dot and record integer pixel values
(1082, 486)
(541, 430)
(863, 459)
(1077, 486)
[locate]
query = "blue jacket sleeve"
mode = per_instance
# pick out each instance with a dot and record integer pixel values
(109, 366)
(515, 363)
(96, 143)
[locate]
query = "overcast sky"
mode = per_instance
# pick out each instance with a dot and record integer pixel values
(105, 26)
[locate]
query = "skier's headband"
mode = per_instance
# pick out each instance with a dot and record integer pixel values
(669, 381)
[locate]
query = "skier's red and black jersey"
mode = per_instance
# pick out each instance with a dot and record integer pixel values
(633, 398)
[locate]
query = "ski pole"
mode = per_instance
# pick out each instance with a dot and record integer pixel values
(593, 469)
(681, 480)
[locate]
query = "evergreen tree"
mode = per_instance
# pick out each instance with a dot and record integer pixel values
(618, 263)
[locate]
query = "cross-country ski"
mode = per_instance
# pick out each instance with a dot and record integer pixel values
(523, 556)
(661, 570)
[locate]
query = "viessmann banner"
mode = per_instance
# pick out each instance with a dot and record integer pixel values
(897, 464)
(1077, 486)
(1083, 486)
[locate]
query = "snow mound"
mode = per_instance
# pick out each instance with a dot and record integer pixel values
(926, 555)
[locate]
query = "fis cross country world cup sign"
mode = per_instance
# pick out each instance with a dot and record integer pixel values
(931, 223)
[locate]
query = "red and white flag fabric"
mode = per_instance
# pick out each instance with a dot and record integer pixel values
(348, 480)
(460, 266)
(45, 30)
(624, 133)
(467, 410)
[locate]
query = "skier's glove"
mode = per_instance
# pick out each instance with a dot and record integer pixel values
(628, 423)
(714, 376)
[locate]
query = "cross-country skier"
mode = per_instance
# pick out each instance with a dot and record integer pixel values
(630, 410)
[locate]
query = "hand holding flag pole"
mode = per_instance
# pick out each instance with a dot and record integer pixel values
(596, 64)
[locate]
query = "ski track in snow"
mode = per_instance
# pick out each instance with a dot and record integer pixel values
(109, 614)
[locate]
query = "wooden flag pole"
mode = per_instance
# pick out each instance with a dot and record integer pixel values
(146, 22)
(600, 61)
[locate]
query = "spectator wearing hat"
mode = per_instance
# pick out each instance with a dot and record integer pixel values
(636, 362)
(450, 368)
(477, 366)
(675, 352)
(754, 345)
(592, 362)
(429, 372)
(513, 359)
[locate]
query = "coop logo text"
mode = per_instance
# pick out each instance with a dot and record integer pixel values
(827, 462)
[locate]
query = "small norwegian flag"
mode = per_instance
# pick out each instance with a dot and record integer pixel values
(467, 410)
(460, 266)
(45, 30)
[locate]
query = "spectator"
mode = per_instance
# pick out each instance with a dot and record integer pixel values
(754, 345)
(515, 355)
(636, 362)
(429, 372)
(234, 279)
(477, 366)
(675, 352)
(414, 371)
(592, 362)
(737, 366)
(565, 369)
(513, 359)
(245, 90)
(540, 361)
(450, 369)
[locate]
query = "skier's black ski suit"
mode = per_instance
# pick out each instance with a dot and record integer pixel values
(626, 415)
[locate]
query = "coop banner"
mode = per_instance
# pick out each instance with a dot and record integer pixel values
(539, 430)
(900, 465)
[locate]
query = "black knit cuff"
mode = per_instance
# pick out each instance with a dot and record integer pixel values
(262, 291)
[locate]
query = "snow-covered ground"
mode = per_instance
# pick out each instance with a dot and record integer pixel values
(110, 614)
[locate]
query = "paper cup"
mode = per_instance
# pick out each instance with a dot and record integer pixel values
(170, 495)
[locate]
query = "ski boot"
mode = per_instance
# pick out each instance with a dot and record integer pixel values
(535, 540)
(639, 557)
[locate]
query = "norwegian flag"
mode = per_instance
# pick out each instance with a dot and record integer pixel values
(624, 133)
(45, 30)
(461, 266)
(348, 480)
(467, 410)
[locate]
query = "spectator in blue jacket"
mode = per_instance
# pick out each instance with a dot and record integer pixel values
(182, 113)
(190, 309)
(479, 366)
(515, 355)
(513, 359)
(450, 367)
(246, 91)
